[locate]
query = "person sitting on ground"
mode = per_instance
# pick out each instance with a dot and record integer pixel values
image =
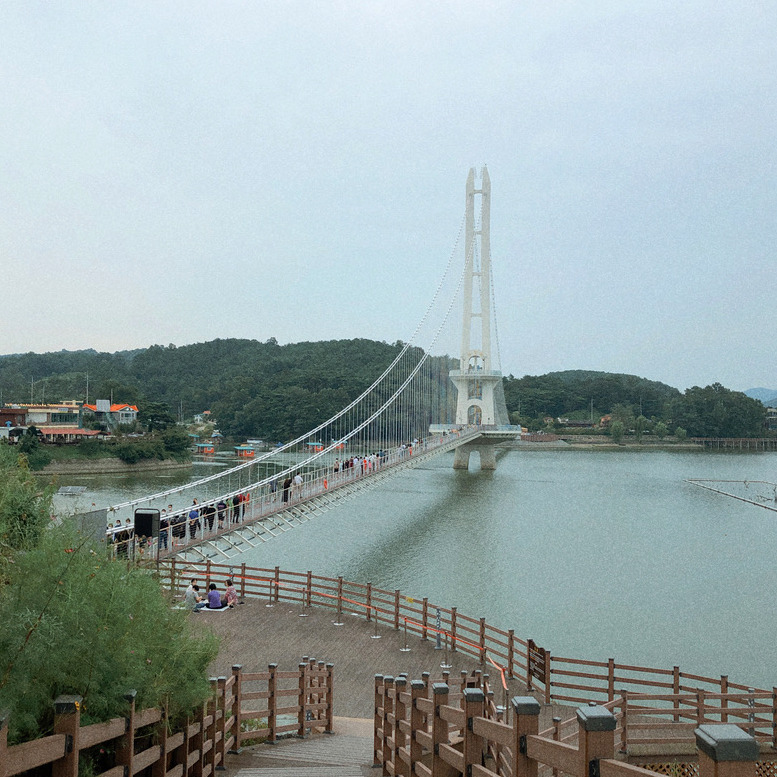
(192, 598)
(230, 595)
(214, 598)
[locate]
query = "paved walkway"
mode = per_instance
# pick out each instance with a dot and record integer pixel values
(255, 635)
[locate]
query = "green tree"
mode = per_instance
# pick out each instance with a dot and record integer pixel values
(72, 621)
(155, 416)
(680, 433)
(715, 411)
(25, 505)
(640, 426)
(616, 431)
(660, 430)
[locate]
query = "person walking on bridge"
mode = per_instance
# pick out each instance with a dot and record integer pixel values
(286, 488)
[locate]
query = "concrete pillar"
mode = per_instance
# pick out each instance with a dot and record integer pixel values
(725, 751)
(461, 457)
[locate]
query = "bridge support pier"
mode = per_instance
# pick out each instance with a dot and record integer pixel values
(486, 453)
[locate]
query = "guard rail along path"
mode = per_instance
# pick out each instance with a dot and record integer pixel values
(652, 704)
(243, 708)
(422, 729)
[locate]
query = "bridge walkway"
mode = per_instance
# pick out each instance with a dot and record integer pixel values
(271, 512)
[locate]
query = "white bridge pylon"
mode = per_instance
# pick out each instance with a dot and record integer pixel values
(423, 404)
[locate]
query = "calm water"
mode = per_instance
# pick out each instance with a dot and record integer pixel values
(591, 554)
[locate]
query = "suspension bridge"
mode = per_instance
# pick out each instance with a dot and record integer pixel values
(425, 403)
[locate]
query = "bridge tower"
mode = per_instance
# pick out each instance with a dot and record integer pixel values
(480, 399)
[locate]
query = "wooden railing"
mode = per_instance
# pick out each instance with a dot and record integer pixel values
(243, 708)
(425, 729)
(557, 679)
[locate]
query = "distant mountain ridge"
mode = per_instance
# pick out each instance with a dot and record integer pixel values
(766, 396)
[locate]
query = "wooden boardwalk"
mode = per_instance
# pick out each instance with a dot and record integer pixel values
(255, 635)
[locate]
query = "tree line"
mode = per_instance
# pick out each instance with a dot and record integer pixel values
(276, 392)
(635, 404)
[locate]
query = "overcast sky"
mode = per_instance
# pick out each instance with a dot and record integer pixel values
(174, 172)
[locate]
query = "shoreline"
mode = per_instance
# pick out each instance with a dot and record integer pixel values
(604, 445)
(109, 466)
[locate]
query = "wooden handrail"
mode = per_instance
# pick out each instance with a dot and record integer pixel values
(202, 743)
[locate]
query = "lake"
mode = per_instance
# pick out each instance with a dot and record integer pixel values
(593, 554)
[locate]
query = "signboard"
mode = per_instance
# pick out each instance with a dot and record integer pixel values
(146, 523)
(536, 656)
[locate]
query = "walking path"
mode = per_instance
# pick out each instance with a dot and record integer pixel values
(255, 635)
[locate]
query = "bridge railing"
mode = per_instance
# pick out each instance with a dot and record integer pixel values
(555, 678)
(243, 708)
(265, 498)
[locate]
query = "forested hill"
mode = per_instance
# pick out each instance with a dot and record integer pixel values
(279, 391)
(579, 392)
(252, 388)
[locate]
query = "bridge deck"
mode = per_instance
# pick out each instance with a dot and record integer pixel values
(269, 514)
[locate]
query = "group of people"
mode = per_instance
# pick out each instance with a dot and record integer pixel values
(176, 524)
(213, 600)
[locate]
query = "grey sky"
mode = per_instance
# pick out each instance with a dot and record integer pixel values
(181, 171)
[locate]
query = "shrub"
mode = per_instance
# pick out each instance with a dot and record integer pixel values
(72, 621)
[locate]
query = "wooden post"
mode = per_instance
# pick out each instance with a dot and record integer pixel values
(339, 596)
(510, 652)
(547, 677)
(556, 738)
(417, 691)
(369, 603)
(125, 749)
(172, 567)
(237, 696)
(272, 704)
(302, 701)
(159, 767)
(400, 711)
(453, 629)
(595, 738)
(624, 748)
(221, 728)
(482, 641)
(209, 734)
(182, 751)
(724, 702)
(676, 692)
(378, 731)
(243, 581)
(198, 741)
(207, 573)
(396, 610)
(526, 723)
(67, 721)
(388, 726)
(474, 703)
(277, 582)
(330, 699)
(309, 589)
(774, 718)
(4, 743)
(439, 730)
(424, 617)
(726, 751)
(610, 679)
